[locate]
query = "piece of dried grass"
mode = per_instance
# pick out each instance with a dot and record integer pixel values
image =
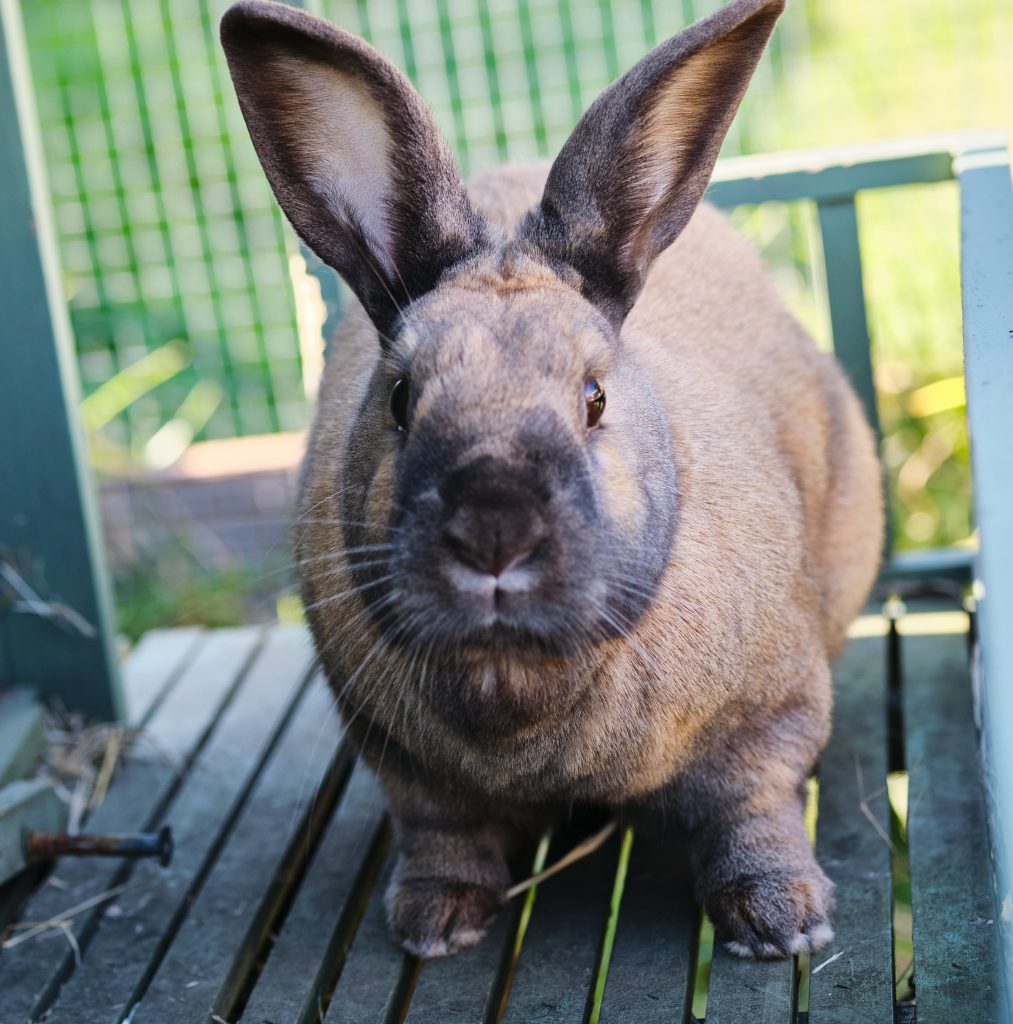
(81, 759)
(35, 929)
(579, 852)
(114, 744)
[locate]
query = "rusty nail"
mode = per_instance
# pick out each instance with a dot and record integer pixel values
(50, 845)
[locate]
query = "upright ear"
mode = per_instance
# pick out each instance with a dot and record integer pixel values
(353, 155)
(638, 162)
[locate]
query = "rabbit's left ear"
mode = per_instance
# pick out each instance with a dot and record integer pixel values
(353, 155)
(638, 162)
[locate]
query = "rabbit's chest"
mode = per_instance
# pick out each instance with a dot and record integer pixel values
(607, 748)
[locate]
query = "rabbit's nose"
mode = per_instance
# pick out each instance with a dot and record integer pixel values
(494, 517)
(493, 538)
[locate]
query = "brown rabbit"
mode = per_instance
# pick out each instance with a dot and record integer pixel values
(585, 513)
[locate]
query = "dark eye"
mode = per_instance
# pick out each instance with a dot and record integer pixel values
(594, 399)
(399, 395)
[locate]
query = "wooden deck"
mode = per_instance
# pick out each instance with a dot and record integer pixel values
(272, 908)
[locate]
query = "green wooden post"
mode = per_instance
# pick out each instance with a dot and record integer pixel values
(846, 298)
(49, 537)
(986, 199)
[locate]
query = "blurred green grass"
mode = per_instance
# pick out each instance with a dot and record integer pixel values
(169, 235)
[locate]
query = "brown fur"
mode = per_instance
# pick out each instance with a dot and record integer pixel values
(712, 694)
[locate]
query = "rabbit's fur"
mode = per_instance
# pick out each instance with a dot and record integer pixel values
(518, 612)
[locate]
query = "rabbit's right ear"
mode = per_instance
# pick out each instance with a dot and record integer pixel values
(353, 155)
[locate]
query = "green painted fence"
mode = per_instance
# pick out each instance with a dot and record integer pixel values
(168, 232)
(172, 247)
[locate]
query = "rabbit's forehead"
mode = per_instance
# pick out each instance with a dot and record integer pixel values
(540, 333)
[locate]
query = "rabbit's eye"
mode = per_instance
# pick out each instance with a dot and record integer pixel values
(594, 399)
(399, 396)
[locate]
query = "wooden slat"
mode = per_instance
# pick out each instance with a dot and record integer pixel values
(953, 907)
(30, 974)
(555, 974)
(377, 977)
(931, 563)
(749, 991)
(653, 963)
(856, 987)
(835, 173)
(986, 220)
(214, 954)
(846, 297)
(127, 948)
(153, 666)
(320, 926)
(22, 732)
(468, 986)
(47, 515)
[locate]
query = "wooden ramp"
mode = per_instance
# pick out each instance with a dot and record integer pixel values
(272, 908)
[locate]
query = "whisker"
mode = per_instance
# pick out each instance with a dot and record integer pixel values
(625, 588)
(402, 689)
(624, 631)
(376, 608)
(330, 497)
(367, 258)
(387, 528)
(341, 552)
(363, 319)
(350, 592)
(330, 574)
(332, 556)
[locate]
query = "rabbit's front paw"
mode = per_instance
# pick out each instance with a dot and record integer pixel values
(433, 917)
(774, 916)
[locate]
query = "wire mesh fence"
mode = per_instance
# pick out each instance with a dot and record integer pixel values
(183, 281)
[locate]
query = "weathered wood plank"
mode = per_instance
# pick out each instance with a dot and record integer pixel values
(31, 974)
(22, 733)
(127, 948)
(214, 954)
(953, 907)
(555, 973)
(26, 804)
(930, 563)
(986, 273)
(852, 844)
(748, 991)
(309, 952)
(468, 986)
(47, 515)
(154, 665)
(651, 972)
(833, 173)
(377, 977)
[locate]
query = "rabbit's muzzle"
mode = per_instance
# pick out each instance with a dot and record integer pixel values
(493, 550)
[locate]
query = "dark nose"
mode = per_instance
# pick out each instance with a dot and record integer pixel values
(494, 515)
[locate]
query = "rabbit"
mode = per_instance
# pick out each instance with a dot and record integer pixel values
(585, 513)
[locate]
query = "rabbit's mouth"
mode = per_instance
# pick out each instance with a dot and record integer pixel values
(503, 636)
(525, 607)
